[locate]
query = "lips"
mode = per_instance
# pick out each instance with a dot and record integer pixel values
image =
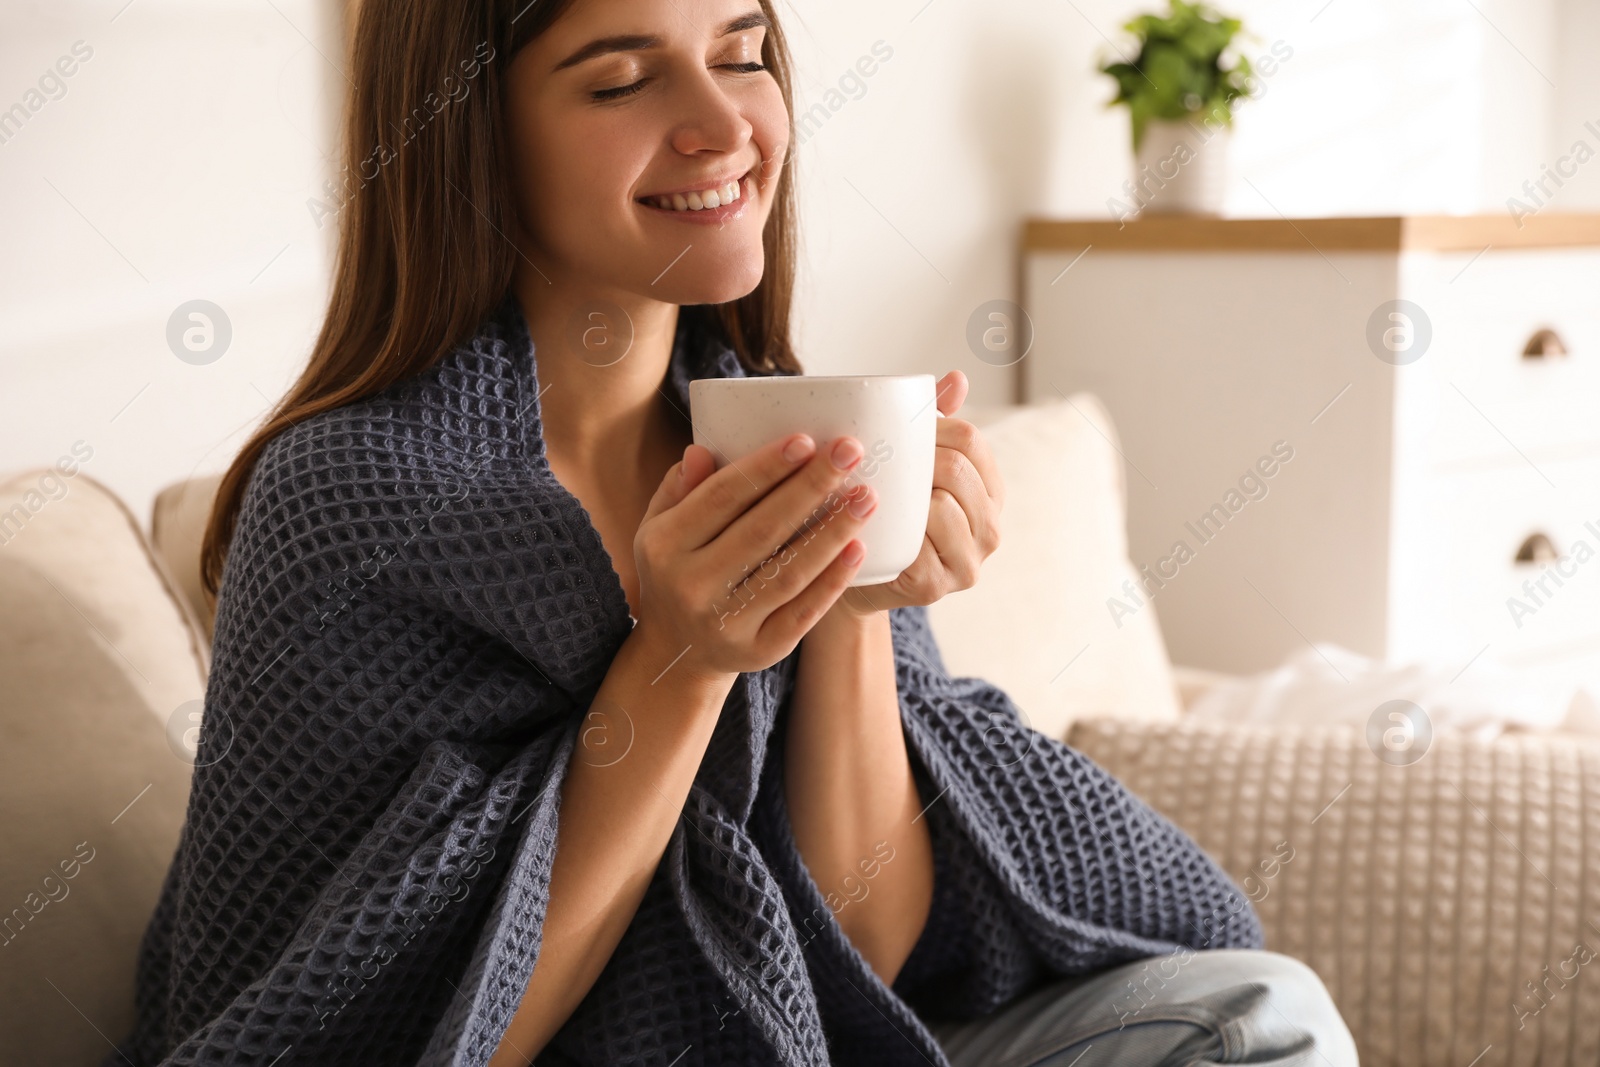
(714, 195)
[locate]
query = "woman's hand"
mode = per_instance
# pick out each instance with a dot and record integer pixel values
(721, 585)
(963, 516)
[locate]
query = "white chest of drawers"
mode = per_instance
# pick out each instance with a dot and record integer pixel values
(1425, 452)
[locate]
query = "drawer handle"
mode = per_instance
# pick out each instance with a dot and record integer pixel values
(1544, 342)
(1538, 548)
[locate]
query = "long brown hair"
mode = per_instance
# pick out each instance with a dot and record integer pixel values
(423, 254)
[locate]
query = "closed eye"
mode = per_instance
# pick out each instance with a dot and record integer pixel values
(621, 91)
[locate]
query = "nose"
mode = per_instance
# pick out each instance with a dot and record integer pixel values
(711, 120)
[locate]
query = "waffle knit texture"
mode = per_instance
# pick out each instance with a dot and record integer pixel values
(414, 618)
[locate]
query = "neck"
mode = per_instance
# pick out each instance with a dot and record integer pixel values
(597, 409)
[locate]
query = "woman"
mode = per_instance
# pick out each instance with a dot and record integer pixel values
(507, 755)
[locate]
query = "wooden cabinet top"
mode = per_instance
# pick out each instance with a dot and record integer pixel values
(1189, 233)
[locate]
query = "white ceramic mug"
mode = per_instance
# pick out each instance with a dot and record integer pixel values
(892, 415)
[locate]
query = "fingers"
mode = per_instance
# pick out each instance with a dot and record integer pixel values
(681, 478)
(786, 573)
(955, 475)
(924, 581)
(786, 625)
(951, 392)
(719, 498)
(962, 515)
(820, 536)
(946, 561)
(963, 437)
(699, 463)
(953, 542)
(808, 498)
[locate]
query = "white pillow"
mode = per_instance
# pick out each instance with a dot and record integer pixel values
(1037, 623)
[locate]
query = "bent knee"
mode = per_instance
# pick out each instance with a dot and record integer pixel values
(1272, 1003)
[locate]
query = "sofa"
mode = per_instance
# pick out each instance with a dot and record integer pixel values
(1450, 904)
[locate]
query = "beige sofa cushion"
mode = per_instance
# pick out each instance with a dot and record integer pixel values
(97, 653)
(1427, 896)
(1036, 624)
(177, 526)
(78, 534)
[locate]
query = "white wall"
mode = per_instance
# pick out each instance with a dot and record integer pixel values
(184, 150)
(175, 166)
(990, 113)
(1576, 114)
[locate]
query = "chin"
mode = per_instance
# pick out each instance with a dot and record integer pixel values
(714, 284)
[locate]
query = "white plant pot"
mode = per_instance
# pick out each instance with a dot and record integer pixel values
(1182, 168)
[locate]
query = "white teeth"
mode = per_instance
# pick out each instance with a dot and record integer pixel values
(701, 201)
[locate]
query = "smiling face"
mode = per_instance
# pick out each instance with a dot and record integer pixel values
(632, 124)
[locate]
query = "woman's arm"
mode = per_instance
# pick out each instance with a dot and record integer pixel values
(852, 800)
(618, 810)
(617, 813)
(848, 782)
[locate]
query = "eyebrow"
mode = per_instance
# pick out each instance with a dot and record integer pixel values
(638, 42)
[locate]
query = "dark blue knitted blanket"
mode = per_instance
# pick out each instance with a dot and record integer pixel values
(414, 617)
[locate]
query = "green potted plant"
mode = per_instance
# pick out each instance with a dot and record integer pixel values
(1180, 90)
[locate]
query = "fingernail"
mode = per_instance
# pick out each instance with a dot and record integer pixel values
(797, 449)
(853, 553)
(846, 452)
(862, 505)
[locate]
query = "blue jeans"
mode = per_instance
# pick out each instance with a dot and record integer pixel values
(1193, 1008)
